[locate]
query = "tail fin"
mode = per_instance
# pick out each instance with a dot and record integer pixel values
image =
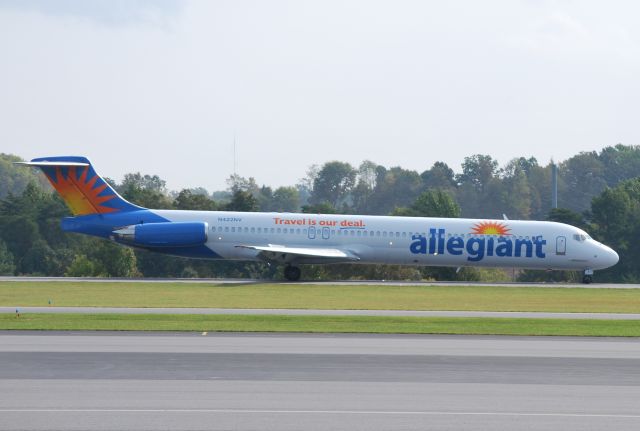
(84, 191)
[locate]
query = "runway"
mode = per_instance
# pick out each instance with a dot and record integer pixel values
(315, 312)
(102, 381)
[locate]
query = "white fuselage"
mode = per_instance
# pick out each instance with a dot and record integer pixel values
(404, 240)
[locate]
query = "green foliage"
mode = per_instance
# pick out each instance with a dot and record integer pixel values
(440, 176)
(148, 191)
(616, 216)
(582, 178)
(83, 267)
(333, 183)
(565, 215)
(285, 199)
(188, 200)
(320, 208)
(14, 179)
(432, 203)
(7, 266)
(242, 200)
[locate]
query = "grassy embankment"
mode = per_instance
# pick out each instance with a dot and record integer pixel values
(323, 324)
(478, 298)
(363, 297)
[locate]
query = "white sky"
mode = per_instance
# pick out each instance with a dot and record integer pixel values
(161, 87)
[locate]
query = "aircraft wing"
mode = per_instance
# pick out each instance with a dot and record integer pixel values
(281, 253)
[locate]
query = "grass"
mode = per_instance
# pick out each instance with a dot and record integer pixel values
(322, 324)
(371, 297)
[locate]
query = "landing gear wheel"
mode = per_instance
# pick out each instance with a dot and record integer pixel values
(292, 273)
(587, 279)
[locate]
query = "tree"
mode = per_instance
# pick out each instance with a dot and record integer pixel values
(7, 265)
(242, 201)
(188, 200)
(365, 186)
(621, 162)
(321, 208)
(565, 215)
(477, 171)
(286, 199)
(616, 216)
(432, 203)
(440, 176)
(114, 260)
(513, 191)
(40, 259)
(333, 183)
(148, 191)
(395, 187)
(582, 178)
(82, 266)
(479, 187)
(14, 179)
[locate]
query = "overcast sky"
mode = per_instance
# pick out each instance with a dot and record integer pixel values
(161, 87)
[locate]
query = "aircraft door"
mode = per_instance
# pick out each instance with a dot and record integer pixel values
(312, 232)
(561, 245)
(325, 233)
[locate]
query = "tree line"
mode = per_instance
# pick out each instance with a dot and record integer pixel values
(598, 191)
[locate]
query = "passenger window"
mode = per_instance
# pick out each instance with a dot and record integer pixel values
(384, 233)
(226, 229)
(359, 233)
(259, 230)
(253, 230)
(279, 230)
(233, 229)
(219, 228)
(273, 230)
(353, 233)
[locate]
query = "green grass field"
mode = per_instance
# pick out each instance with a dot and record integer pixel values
(465, 298)
(324, 324)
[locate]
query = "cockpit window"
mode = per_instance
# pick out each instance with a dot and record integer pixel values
(580, 237)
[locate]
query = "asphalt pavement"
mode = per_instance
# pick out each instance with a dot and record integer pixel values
(100, 381)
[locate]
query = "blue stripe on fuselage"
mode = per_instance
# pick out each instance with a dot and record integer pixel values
(103, 225)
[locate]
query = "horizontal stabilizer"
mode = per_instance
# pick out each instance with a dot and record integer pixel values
(61, 163)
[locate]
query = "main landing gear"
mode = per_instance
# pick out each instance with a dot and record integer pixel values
(292, 273)
(587, 278)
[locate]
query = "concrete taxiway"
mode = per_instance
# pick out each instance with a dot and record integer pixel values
(314, 382)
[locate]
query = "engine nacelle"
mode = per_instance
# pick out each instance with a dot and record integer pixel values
(170, 234)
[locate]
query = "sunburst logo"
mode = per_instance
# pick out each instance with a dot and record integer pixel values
(81, 193)
(490, 228)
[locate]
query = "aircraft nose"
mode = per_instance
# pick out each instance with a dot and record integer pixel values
(609, 256)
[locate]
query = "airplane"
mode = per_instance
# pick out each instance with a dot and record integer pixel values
(293, 239)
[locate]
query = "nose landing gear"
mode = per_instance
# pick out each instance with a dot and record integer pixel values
(292, 273)
(587, 278)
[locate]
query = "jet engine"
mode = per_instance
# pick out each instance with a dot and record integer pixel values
(169, 234)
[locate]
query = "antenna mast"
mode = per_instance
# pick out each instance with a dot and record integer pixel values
(234, 154)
